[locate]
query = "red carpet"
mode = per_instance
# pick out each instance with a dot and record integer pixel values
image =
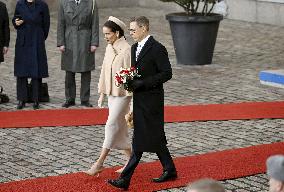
(77, 117)
(229, 164)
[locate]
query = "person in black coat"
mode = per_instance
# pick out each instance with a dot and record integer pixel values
(32, 21)
(151, 60)
(4, 31)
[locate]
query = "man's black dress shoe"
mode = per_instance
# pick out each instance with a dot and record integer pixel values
(119, 183)
(36, 105)
(86, 104)
(68, 104)
(166, 176)
(21, 105)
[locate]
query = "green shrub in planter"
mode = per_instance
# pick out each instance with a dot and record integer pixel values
(191, 7)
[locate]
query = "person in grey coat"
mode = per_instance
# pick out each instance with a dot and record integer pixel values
(77, 39)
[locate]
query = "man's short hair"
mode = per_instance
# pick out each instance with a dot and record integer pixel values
(206, 185)
(275, 167)
(141, 21)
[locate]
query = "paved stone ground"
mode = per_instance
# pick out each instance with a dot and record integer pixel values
(242, 50)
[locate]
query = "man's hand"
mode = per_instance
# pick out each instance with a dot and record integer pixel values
(62, 48)
(5, 50)
(101, 101)
(19, 22)
(93, 48)
(135, 84)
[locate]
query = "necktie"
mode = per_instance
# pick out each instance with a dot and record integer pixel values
(139, 47)
(77, 2)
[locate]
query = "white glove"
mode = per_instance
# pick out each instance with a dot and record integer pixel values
(101, 101)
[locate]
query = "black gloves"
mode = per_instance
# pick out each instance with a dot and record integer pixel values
(137, 84)
(134, 84)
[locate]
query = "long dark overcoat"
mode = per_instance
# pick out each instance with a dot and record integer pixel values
(4, 30)
(78, 30)
(148, 102)
(30, 53)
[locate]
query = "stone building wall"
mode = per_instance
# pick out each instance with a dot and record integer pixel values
(101, 3)
(261, 11)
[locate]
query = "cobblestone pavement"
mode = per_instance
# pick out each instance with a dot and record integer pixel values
(242, 50)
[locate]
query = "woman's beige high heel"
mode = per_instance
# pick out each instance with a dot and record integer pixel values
(95, 169)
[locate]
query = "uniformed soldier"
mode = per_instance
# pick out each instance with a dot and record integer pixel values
(77, 39)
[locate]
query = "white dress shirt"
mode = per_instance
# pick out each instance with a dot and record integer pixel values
(141, 45)
(77, 1)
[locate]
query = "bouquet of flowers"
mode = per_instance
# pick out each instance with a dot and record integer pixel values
(124, 76)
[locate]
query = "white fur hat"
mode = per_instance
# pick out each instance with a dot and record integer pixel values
(118, 22)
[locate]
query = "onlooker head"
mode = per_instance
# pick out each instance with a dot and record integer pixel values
(205, 185)
(275, 171)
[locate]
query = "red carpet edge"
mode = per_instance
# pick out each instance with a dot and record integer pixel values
(228, 164)
(87, 117)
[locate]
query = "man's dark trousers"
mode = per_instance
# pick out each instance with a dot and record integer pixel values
(70, 86)
(163, 155)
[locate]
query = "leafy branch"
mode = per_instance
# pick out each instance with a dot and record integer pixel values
(192, 7)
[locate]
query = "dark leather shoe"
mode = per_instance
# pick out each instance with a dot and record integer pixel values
(119, 183)
(36, 105)
(86, 104)
(21, 105)
(166, 176)
(68, 104)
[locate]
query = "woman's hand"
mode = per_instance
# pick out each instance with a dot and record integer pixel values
(101, 101)
(19, 22)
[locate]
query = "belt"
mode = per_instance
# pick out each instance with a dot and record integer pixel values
(81, 27)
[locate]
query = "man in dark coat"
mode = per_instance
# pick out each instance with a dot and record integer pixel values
(32, 22)
(151, 59)
(4, 31)
(77, 39)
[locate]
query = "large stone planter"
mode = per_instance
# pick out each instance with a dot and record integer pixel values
(194, 37)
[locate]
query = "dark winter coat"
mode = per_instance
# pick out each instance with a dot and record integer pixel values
(4, 29)
(30, 53)
(148, 101)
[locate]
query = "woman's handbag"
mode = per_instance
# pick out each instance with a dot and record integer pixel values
(129, 119)
(43, 95)
(3, 97)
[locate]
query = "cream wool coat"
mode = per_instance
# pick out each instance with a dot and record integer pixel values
(116, 56)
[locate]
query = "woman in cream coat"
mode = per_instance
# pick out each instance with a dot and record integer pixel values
(117, 55)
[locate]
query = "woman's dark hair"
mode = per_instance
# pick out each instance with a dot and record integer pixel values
(114, 28)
